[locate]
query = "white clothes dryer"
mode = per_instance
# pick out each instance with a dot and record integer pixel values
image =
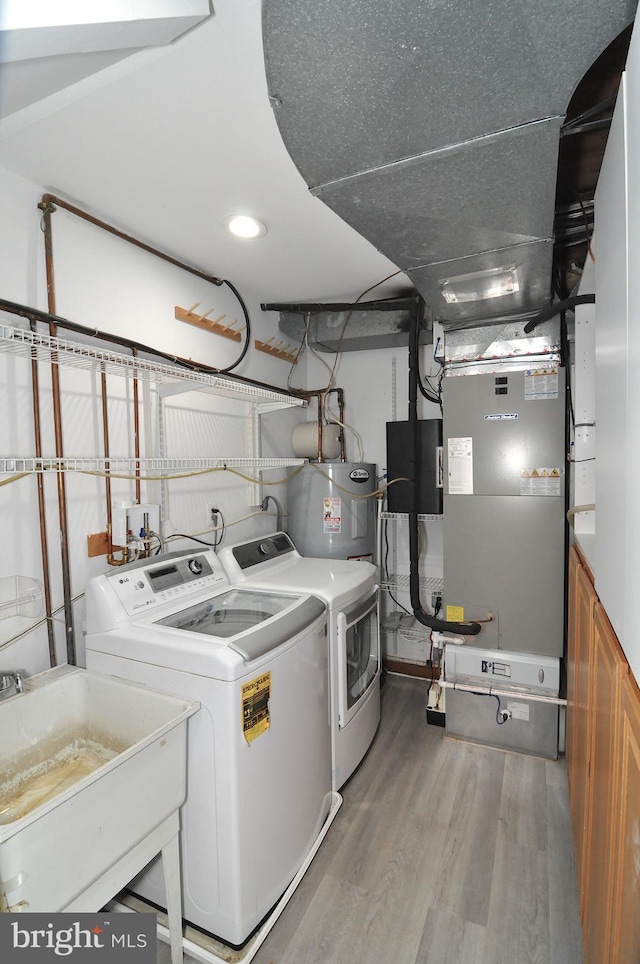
(350, 591)
(259, 749)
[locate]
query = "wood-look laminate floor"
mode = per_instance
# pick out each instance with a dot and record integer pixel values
(443, 852)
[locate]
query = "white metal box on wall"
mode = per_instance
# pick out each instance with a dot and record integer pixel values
(515, 721)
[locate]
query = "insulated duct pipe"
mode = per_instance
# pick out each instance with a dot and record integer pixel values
(556, 308)
(465, 629)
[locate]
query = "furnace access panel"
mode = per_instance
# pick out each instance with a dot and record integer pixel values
(504, 506)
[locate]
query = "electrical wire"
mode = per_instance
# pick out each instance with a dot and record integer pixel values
(357, 495)
(247, 337)
(499, 721)
(183, 535)
(385, 565)
(493, 696)
(222, 528)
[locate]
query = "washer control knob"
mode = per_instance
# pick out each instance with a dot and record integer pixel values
(195, 566)
(265, 548)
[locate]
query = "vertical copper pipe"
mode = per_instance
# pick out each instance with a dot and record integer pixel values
(136, 431)
(44, 546)
(340, 392)
(105, 440)
(47, 210)
(319, 395)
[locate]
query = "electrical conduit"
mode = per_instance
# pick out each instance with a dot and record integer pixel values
(464, 629)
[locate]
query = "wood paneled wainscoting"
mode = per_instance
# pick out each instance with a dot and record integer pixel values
(603, 761)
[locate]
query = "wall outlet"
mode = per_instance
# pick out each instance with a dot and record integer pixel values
(213, 515)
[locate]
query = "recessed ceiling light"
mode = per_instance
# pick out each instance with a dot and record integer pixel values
(244, 226)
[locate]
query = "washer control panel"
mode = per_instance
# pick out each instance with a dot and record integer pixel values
(144, 585)
(260, 550)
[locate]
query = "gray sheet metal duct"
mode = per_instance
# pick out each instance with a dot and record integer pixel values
(354, 327)
(432, 127)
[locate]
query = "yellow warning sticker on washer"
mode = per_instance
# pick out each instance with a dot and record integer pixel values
(256, 718)
(455, 614)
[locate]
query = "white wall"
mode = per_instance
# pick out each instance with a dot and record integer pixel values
(614, 380)
(103, 282)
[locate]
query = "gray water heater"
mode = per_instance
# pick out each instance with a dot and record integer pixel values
(330, 516)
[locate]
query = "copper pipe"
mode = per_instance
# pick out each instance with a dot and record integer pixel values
(47, 210)
(111, 559)
(343, 457)
(136, 431)
(49, 199)
(105, 445)
(319, 395)
(44, 545)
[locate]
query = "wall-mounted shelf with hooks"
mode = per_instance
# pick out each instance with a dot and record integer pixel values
(278, 350)
(212, 325)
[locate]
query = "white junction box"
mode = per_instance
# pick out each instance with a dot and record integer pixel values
(128, 520)
(500, 713)
(503, 670)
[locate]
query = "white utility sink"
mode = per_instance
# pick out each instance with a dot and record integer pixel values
(93, 774)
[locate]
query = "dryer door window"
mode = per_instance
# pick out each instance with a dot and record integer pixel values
(358, 655)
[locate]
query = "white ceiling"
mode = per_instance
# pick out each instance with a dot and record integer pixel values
(166, 142)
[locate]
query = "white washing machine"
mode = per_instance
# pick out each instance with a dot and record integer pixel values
(259, 749)
(350, 591)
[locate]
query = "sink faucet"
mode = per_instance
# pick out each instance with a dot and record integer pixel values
(11, 683)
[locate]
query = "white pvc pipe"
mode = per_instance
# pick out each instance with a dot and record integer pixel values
(492, 691)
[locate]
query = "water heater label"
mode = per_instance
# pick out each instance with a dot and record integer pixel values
(332, 514)
(460, 466)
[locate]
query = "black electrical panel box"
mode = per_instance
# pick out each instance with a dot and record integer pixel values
(402, 460)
